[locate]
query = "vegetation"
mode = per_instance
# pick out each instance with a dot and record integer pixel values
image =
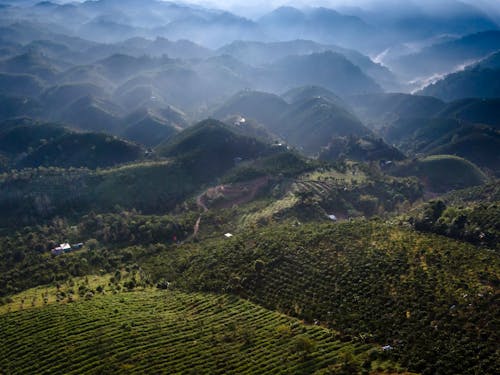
(368, 280)
(442, 173)
(360, 149)
(150, 331)
(316, 230)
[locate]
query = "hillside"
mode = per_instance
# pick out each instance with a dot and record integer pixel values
(260, 54)
(148, 129)
(58, 97)
(90, 113)
(39, 194)
(468, 215)
(263, 187)
(478, 144)
(146, 332)
(15, 106)
(360, 149)
(482, 111)
(311, 124)
(448, 56)
(31, 63)
(377, 110)
(366, 279)
(260, 106)
(303, 93)
(469, 83)
(442, 173)
(210, 148)
(90, 150)
(328, 69)
(20, 85)
(22, 138)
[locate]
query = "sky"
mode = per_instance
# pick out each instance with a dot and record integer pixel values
(256, 7)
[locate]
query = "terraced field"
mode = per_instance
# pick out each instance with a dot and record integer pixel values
(173, 332)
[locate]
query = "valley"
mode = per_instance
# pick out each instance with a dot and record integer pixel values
(188, 189)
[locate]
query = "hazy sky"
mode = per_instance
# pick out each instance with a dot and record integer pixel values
(256, 7)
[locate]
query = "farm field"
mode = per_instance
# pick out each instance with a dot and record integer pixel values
(172, 332)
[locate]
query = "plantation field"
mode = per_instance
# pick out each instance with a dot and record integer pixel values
(173, 332)
(369, 280)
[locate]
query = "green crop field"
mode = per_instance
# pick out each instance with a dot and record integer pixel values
(169, 332)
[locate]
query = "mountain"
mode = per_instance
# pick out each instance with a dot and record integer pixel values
(261, 53)
(482, 111)
(449, 56)
(442, 173)
(24, 138)
(36, 144)
(57, 98)
(414, 134)
(179, 49)
(148, 129)
(260, 106)
(490, 62)
(321, 24)
(365, 148)
(380, 109)
(89, 150)
(478, 144)
(119, 67)
(14, 106)
(92, 114)
(475, 82)
(303, 93)
(209, 149)
(84, 73)
(20, 85)
(308, 124)
(328, 69)
(311, 124)
(32, 63)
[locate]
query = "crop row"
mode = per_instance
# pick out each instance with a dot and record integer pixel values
(167, 332)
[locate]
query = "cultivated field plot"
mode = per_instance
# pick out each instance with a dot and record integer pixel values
(170, 332)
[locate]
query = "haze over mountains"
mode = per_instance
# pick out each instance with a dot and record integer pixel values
(303, 186)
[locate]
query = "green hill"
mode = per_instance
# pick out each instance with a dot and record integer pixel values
(84, 73)
(146, 332)
(25, 138)
(32, 63)
(58, 97)
(328, 69)
(90, 113)
(470, 83)
(479, 144)
(414, 134)
(380, 283)
(147, 129)
(38, 194)
(14, 106)
(303, 93)
(209, 149)
(482, 111)
(469, 215)
(442, 173)
(383, 109)
(311, 124)
(90, 150)
(360, 149)
(20, 85)
(260, 106)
